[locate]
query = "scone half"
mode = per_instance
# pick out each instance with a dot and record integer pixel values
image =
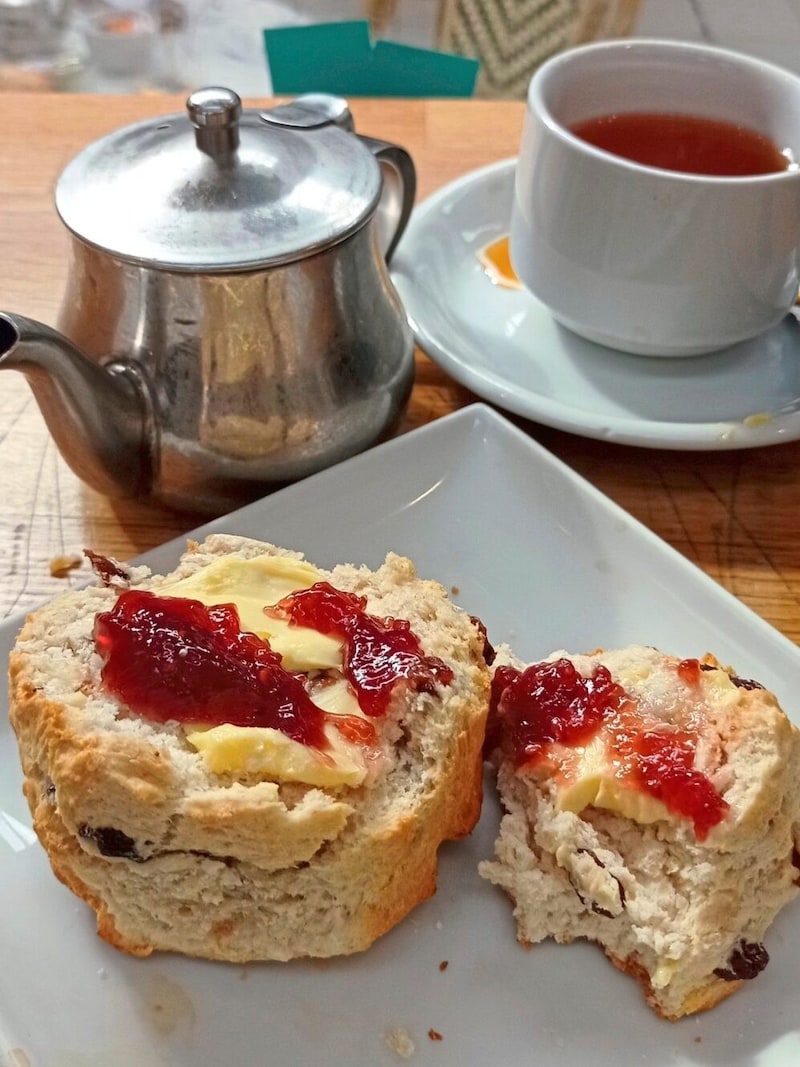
(652, 805)
(209, 833)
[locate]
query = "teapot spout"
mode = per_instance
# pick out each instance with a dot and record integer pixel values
(99, 415)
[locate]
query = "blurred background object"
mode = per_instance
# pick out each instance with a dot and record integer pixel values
(508, 37)
(223, 41)
(142, 45)
(512, 39)
(121, 48)
(38, 48)
(344, 58)
(131, 45)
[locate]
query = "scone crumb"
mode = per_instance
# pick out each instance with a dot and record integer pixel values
(399, 1040)
(62, 566)
(434, 1035)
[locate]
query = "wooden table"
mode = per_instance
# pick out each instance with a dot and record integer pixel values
(735, 514)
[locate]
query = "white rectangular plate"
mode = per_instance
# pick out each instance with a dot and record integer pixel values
(548, 563)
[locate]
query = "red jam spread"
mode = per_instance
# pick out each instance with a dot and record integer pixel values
(171, 658)
(379, 653)
(664, 767)
(551, 704)
(689, 671)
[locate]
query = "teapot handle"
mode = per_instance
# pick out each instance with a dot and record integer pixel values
(399, 190)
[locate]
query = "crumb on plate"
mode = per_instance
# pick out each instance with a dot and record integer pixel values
(60, 566)
(399, 1040)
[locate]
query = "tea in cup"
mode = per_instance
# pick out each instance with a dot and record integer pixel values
(657, 195)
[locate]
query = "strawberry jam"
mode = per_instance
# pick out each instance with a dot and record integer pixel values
(379, 653)
(170, 658)
(664, 767)
(689, 671)
(552, 704)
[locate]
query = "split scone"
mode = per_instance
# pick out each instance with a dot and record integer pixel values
(250, 758)
(652, 806)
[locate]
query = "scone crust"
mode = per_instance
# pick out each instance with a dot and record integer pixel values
(665, 907)
(243, 869)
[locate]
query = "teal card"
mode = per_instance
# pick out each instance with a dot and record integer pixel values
(340, 58)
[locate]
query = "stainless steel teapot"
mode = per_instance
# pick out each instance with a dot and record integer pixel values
(229, 324)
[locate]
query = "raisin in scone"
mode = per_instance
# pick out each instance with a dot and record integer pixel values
(250, 758)
(652, 806)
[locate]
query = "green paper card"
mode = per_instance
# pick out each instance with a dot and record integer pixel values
(340, 58)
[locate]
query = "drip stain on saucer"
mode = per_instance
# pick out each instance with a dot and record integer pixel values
(760, 418)
(495, 259)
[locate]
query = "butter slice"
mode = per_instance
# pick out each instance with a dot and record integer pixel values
(594, 783)
(253, 584)
(269, 753)
(337, 698)
(663, 973)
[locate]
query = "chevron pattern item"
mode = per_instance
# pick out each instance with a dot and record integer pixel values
(513, 37)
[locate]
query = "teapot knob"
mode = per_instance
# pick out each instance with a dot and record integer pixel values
(214, 112)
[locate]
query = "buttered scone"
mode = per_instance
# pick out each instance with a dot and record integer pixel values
(250, 758)
(652, 806)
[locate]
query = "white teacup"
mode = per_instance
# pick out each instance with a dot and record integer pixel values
(650, 261)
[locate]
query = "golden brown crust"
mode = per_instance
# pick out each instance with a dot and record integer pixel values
(702, 999)
(395, 868)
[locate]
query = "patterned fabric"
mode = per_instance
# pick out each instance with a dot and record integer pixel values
(513, 37)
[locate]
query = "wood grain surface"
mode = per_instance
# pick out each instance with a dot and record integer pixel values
(732, 513)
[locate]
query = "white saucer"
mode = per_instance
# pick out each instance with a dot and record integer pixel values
(504, 345)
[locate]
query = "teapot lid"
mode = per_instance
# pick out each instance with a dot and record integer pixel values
(222, 189)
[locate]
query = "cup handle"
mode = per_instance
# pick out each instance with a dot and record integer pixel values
(399, 189)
